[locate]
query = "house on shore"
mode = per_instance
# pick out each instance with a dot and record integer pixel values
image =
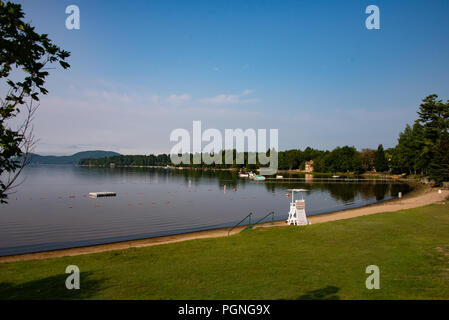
(309, 166)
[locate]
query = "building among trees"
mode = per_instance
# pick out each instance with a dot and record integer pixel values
(309, 166)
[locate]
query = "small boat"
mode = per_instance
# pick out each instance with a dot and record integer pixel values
(279, 177)
(259, 178)
(335, 176)
(243, 174)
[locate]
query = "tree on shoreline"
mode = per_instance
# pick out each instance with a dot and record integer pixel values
(439, 167)
(380, 161)
(434, 117)
(367, 156)
(415, 151)
(24, 54)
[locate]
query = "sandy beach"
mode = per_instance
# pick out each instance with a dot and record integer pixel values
(415, 199)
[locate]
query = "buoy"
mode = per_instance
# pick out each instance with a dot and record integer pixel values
(287, 195)
(190, 200)
(70, 207)
(234, 189)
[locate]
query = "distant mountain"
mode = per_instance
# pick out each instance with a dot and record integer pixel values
(73, 159)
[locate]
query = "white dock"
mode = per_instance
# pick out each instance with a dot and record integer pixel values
(101, 194)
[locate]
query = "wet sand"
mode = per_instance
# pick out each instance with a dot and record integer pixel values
(415, 199)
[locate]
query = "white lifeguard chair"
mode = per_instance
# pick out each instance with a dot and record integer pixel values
(297, 215)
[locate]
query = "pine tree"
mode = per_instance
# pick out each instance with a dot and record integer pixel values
(434, 116)
(439, 167)
(380, 161)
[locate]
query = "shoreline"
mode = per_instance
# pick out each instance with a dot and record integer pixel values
(417, 198)
(385, 176)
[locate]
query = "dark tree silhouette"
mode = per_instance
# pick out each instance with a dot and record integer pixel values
(24, 54)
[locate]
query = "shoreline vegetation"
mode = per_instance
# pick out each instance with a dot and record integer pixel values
(379, 175)
(410, 246)
(422, 149)
(419, 197)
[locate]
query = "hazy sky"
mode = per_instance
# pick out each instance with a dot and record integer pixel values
(311, 69)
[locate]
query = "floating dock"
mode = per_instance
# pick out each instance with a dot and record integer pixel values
(101, 194)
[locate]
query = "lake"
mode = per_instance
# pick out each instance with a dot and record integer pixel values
(51, 209)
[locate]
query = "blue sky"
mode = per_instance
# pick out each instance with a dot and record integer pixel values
(308, 68)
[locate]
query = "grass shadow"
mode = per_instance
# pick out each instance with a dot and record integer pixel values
(51, 288)
(327, 293)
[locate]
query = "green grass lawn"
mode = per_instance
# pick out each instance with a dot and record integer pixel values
(319, 261)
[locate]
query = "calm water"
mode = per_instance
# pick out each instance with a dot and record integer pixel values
(51, 210)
